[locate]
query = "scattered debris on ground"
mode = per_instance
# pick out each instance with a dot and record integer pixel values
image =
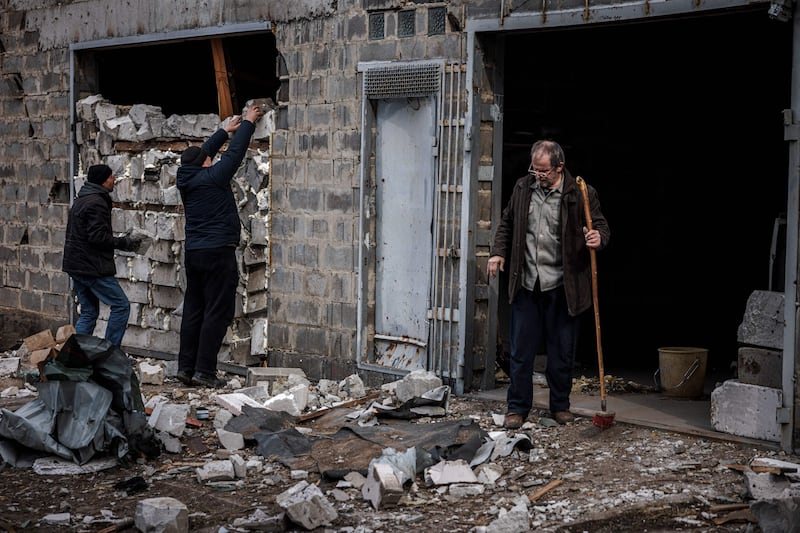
(273, 451)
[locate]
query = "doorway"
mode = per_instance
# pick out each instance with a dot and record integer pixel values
(682, 136)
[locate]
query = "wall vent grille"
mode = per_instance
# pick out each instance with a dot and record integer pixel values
(402, 81)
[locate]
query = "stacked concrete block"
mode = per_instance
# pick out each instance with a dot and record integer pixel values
(748, 406)
(143, 148)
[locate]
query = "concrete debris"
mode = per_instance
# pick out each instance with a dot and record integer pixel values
(382, 487)
(57, 519)
(306, 506)
(399, 479)
(169, 417)
(151, 374)
(509, 520)
(259, 520)
(216, 471)
(162, 515)
(778, 516)
(415, 384)
(9, 366)
(448, 472)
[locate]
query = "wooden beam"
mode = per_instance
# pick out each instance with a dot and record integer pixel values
(221, 75)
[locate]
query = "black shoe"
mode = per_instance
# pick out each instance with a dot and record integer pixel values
(184, 377)
(208, 380)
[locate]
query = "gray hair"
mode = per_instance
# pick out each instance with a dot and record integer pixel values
(549, 148)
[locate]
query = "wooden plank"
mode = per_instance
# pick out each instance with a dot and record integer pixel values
(544, 490)
(728, 507)
(742, 515)
(223, 80)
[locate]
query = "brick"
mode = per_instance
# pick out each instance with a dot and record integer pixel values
(40, 340)
(167, 297)
(759, 366)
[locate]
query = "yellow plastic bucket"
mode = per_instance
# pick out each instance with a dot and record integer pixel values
(682, 371)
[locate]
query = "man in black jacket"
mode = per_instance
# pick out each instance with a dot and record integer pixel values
(212, 236)
(89, 256)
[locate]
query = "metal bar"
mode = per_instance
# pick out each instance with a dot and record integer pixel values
(180, 35)
(404, 340)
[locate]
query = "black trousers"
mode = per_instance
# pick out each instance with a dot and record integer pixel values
(208, 307)
(541, 317)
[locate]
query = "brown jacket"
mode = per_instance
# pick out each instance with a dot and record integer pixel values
(509, 240)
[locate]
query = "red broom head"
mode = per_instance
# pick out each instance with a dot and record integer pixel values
(603, 420)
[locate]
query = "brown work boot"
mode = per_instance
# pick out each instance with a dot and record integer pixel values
(513, 421)
(563, 417)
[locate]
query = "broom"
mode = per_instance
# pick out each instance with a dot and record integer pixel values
(602, 418)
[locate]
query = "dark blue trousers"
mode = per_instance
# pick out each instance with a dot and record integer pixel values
(208, 307)
(541, 318)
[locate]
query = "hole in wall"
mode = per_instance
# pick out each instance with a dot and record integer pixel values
(179, 77)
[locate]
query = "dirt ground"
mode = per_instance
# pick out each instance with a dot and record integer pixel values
(621, 478)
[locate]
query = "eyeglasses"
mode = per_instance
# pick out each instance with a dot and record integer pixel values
(540, 173)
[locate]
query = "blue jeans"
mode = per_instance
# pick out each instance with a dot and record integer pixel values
(541, 317)
(91, 291)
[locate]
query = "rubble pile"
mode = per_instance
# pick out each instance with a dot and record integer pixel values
(287, 454)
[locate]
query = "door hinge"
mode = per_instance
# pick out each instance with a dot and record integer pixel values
(791, 130)
(784, 415)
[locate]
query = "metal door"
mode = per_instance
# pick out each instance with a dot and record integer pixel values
(404, 171)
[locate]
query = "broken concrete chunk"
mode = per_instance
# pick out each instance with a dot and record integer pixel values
(230, 440)
(169, 417)
(151, 374)
(216, 471)
(352, 387)
(234, 402)
(762, 324)
(43, 339)
(447, 472)
(162, 515)
(64, 332)
(764, 486)
(382, 488)
(416, 384)
(9, 366)
(306, 506)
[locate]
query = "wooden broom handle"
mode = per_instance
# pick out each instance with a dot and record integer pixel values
(593, 257)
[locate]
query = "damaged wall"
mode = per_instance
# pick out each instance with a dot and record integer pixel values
(307, 318)
(143, 149)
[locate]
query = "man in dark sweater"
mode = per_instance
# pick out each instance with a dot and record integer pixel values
(212, 236)
(89, 256)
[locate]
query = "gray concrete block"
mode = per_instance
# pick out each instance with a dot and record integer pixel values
(746, 410)
(762, 324)
(268, 375)
(759, 366)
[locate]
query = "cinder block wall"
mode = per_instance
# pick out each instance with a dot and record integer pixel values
(315, 178)
(34, 177)
(307, 317)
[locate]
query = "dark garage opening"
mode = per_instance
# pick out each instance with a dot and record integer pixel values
(678, 125)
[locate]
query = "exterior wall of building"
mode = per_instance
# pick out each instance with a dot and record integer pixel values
(315, 179)
(308, 318)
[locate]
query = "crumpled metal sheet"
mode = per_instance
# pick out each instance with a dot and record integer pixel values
(90, 404)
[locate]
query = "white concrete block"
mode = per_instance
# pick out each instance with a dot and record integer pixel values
(746, 410)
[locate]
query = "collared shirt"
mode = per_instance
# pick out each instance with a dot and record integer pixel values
(543, 239)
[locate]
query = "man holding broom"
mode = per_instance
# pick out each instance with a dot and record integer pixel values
(543, 234)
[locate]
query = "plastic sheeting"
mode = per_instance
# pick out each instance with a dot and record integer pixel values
(90, 403)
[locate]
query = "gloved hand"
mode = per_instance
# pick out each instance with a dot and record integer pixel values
(132, 243)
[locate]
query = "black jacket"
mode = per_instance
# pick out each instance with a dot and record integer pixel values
(89, 244)
(509, 240)
(212, 216)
